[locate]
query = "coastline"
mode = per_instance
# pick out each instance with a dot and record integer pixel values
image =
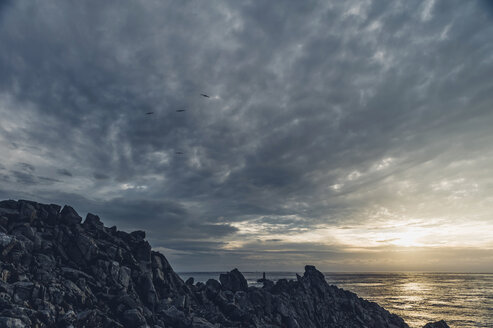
(465, 299)
(58, 269)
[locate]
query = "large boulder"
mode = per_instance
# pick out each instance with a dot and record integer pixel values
(69, 216)
(233, 281)
(93, 222)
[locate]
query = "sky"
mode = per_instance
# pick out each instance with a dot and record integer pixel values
(352, 135)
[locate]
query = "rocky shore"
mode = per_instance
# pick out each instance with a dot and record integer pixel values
(57, 270)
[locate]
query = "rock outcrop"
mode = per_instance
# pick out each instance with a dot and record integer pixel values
(438, 324)
(56, 271)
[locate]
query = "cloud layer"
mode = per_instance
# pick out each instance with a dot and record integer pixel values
(340, 133)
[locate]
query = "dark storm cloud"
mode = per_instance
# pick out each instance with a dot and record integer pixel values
(168, 220)
(488, 5)
(100, 176)
(27, 178)
(3, 5)
(26, 167)
(64, 172)
(24, 178)
(318, 113)
(47, 179)
(4, 177)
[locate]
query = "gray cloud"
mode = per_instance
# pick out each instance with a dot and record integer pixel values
(27, 178)
(64, 172)
(26, 167)
(100, 176)
(24, 178)
(322, 115)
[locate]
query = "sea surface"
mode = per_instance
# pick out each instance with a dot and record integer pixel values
(464, 300)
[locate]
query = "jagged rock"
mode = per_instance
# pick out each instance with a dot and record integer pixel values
(438, 324)
(57, 272)
(93, 221)
(201, 323)
(176, 317)
(67, 319)
(138, 234)
(10, 204)
(27, 212)
(22, 291)
(69, 216)
(133, 318)
(8, 212)
(233, 281)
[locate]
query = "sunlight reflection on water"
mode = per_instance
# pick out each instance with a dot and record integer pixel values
(463, 300)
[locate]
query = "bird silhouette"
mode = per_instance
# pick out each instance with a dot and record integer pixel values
(204, 95)
(149, 113)
(178, 153)
(180, 110)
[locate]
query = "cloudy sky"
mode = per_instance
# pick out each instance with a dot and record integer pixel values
(353, 135)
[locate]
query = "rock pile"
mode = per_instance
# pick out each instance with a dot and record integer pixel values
(56, 271)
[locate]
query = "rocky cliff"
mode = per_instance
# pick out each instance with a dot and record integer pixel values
(57, 271)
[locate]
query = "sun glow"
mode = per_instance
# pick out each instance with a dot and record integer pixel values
(384, 233)
(408, 238)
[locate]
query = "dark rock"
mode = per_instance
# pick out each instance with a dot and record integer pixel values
(4, 221)
(67, 319)
(27, 212)
(69, 216)
(133, 318)
(176, 317)
(142, 251)
(56, 272)
(213, 287)
(201, 323)
(313, 274)
(87, 247)
(268, 284)
(50, 213)
(9, 212)
(233, 281)
(93, 221)
(138, 234)
(438, 324)
(6, 322)
(10, 204)
(22, 291)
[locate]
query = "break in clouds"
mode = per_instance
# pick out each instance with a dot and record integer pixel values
(353, 135)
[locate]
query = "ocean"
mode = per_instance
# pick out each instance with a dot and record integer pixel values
(464, 300)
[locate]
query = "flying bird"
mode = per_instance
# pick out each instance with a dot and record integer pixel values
(178, 153)
(180, 110)
(149, 113)
(204, 95)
